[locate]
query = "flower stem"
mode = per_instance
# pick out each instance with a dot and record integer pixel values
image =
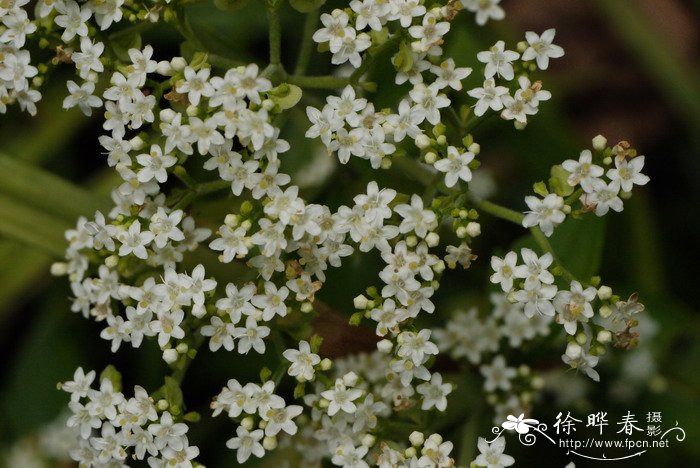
(306, 43)
(544, 244)
(318, 82)
(275, 31)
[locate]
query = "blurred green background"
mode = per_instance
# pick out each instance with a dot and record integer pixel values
(630, 72)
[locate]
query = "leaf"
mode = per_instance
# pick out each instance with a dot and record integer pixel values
(285, 95)
(577, 244)
(32, 227)
(173, 395)
(123, 43)
(230, 5)
(306, 6)
(113, 375)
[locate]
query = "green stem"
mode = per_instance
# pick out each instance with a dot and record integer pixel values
(307, 43)
(544, 244)
(573, 197)
(499, 211)
(318, 82)
(275, 31)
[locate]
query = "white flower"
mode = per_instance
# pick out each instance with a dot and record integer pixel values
(504, 270)
(537, 298)
(237, 302)
(535, 270)
(73, 19)
(489, 96)
(405, 10)
(303, 361)
(497, 375)
(448, 75)
(434, 393)
(456, 166)
(251, 336)
(429, 102)
(405, 122)
(415, 218)
(416, 346)
(585, 363)
(341, 398)
(628, 173)
(370, 13)
(167, 326)
(492, 455)
(134, 241)
(347, 106)
(82, 96)
(574, 306)
(88, 59)
(604, 197)
(435, 452)
(546, 213)
(164, 226)
(429, 33)
(485, 10)
(541, 48)
(195, 85)
(246, 443)
(155, 165)
(167, 433)
(498, 61)
(335, 28)
(583, 171)
(221, 334)
(350, 456)
(272, 302)
(281, 419)
(79, 386)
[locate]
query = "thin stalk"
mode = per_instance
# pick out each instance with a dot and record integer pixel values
(307, 43)
(318, 82)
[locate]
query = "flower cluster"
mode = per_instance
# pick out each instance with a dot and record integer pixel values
(583, 180)
(114, 428)
(180, 130)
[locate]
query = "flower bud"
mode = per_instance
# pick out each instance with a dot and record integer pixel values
(59, 268)
(432, 239)
(461, 232)
(164, 68)
(581, 338)
(170, 356)
(326, 364)
(573, 350)
(360, 302)
(167, 115)
(442, 140)
(473, 229)
(112, 261)
(192, 110)
(430, 157)
(182, 348)
(162, 405)
(306, 307)
(268, 104)
(604, 336)
(416, 438)
(436, 438)
(475, 148)
(439, 267)
(350, 379)
(411, 241)
(269, 443)
(247, 423)
(604, 293)
(410, 452)
(385, 346)
(422, 141)
(178, 63)
(599, 143)
(606, 311)
(368, 440)
(136, 143)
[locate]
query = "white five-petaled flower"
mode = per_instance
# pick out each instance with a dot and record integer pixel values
(455, 166)
(546, 213)
(303, 361)
(341, 398)
(541, 49)
(498, 61)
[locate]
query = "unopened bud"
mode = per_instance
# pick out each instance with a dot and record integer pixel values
(599, 143)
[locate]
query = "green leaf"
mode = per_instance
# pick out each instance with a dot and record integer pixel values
(577, 243)
(173, 395)
(306, 6)
(46, 191)
(123, 43)
(32, 227)
(113, 375)
(559, 181)
(403, 60)
(285, 95)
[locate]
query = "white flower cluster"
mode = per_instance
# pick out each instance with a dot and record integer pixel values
(114, 428)
(16, 69)
(583, 179)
